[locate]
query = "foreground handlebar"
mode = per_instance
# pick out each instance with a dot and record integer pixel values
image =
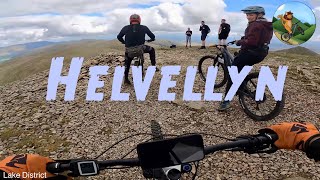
(58, 167)
(255, 141)
(245, 143)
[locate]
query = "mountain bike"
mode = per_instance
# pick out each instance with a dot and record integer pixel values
(286, 36)
(166, 159)
(263, 110)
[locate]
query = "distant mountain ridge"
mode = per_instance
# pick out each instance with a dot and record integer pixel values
(299, 50)
(10, 52)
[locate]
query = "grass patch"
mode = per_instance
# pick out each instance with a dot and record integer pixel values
(7, 133)
(28, 139)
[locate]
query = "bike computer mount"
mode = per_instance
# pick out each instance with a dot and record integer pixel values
(84, 168)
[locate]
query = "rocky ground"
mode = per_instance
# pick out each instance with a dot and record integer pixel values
(60, 129)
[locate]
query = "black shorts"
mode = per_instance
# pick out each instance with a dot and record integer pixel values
(223, 36)
(203, 37)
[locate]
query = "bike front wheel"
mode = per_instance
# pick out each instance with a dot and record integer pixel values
(301, 31)
(207, 61)
(262, 110)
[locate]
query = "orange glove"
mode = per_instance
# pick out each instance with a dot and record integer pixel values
(28, 166)
(293, 135)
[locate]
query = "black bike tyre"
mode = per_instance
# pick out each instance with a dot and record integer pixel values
(285, 39)
(156, 131)
(141, 61)
(275, 112)
(215, 62)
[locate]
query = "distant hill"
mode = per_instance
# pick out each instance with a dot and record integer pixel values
(164, 43)
(10, 52)
(299, 50)
(39, 59)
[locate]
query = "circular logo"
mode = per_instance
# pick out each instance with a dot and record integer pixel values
(294, 23)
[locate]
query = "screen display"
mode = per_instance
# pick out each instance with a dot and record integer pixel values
(87, 168)
(170, 152)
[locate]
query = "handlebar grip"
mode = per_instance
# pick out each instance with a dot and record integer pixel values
(272, 137)
(232, 42)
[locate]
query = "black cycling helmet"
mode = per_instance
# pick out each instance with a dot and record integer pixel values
(254, 9)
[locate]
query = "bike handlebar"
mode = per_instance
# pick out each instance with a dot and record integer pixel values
(228, 44)
(149, 40)
(241, 142)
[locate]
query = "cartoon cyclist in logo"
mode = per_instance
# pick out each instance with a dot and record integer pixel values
(287, 24)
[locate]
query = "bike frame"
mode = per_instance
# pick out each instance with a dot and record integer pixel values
(228, 60)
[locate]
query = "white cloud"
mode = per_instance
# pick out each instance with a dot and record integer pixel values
(281, 7)
(19, 24)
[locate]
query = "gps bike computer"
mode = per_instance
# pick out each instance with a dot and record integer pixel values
(87, 168)
(170, 152)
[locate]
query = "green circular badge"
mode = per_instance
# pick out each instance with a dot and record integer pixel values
(294, 23)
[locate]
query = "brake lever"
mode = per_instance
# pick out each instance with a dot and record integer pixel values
(231, 43)
(264, 148)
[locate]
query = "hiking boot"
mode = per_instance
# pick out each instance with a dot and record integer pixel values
(202, 47)
(224, 106)
(127, 81)
(190, 46)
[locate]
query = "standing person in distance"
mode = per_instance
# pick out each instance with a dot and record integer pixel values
(188, 37)
(205, 30)
(223, 32)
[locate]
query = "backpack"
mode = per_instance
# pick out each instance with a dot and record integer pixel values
(209, 30)
(135, 51)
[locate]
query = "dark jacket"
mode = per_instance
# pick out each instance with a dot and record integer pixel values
(204, 29)
(190, 33)
(257, 34)
(225, 28)
(134, 35)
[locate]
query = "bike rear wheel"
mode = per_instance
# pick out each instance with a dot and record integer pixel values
(141, 62)
(207, 61)
(156, 131)
(263, 110)
(285, 37)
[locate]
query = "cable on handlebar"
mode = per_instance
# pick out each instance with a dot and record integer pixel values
(196, 165)
(134, 149)
(138, 134)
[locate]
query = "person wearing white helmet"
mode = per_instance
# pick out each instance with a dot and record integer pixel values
(254, 44)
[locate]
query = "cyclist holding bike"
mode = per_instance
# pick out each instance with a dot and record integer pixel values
(254, 45)
(135, 36)
(291, 135)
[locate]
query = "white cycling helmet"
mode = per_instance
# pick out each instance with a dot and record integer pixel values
(254, 9)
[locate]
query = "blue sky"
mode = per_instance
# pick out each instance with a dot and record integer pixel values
(103, 19)
(270, 5)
